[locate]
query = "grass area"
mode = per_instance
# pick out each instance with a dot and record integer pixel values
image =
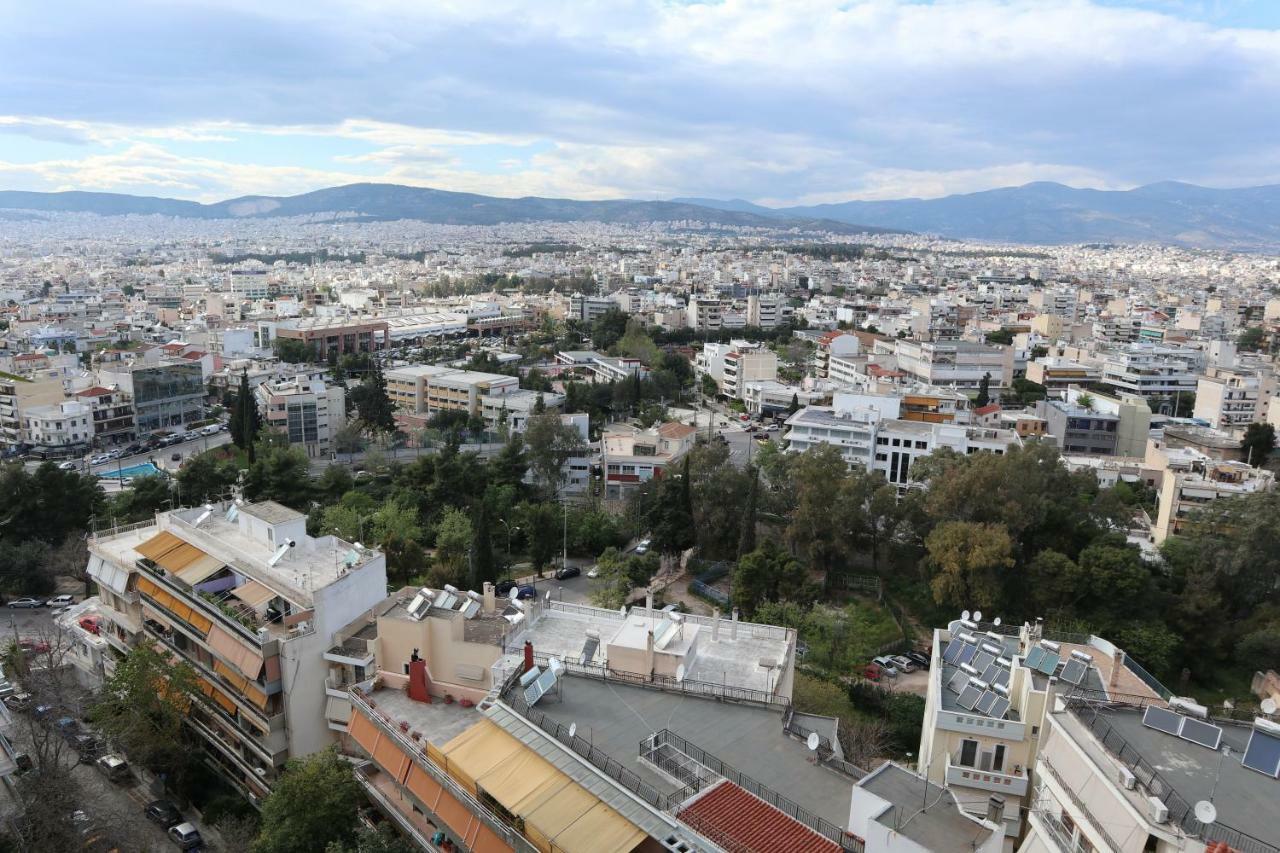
(842, 639)
(1212, 688)
(813, 695)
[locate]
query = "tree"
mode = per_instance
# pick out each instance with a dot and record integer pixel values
(281, 474)
(969, 561)
(768, 574)
(984, 391)
(316, 803)
(671, 514)
(482, 566)
(1250, 339)
(205, 479)
(146, 497)
(291, 350)
(747, 536)
(814, 529)
(1000, 336)
(549, 443)
(383, 839)
(612, 588)
(795, 403)
(454, 535)
(244, 417)
(349, 438)
(372, 402)
(1258, 442)
(710, 387)
(143, 706)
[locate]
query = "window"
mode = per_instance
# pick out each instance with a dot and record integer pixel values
(997, 758)
(968, 753)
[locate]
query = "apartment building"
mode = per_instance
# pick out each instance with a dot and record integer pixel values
(1184, 493)
(588, 309)
(165, 396)
(989, 690)
(112, 415)
(1151, 371)
(837, 344)
(309, 411)
(1231, 399)
(59, 429)
(956, 363)
(514, 408)
(741, 367)
(241, 593)
(630, 456)
(17, 395)
(327, 336)
(425, 389)
(770, 399)
(1057, 374)
(850, 429)
(493, 725)
(1131, 774)
(895, 810)
(767, 311)
(705, 314)
(898, 443)
(600, 367)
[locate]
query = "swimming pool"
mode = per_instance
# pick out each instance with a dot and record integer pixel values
(146, 469)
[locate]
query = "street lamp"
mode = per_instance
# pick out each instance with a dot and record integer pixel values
(509, 528)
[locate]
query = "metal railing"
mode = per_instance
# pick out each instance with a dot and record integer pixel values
(1079, 804)
(826, 750)
(1181, 813)
(665, 748)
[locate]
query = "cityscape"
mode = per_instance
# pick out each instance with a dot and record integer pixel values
(380, 477)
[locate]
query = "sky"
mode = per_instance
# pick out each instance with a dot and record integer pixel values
(776, 101)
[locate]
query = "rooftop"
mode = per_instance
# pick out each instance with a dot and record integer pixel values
(939, 828)
(438, 721)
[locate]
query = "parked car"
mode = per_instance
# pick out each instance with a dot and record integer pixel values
(802, 648)
(87, 746)
(211, 429)
(18, 701)
(61, 601)
(163, 813)
(27, 602)
(886, 666)
(643, 547)
(921, 660)
(43, 711)
(903, 663)
(132, 449)
(67, 727)
(565, 572)
(100, 459)
(504, 587)
(68, 465)
(593, 572)
(871, 672)
(527, 591)
(186, 836)
(114, 767)
(33, 646)
(192, 435)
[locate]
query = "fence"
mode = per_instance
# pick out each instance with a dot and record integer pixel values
(826, 750)
(1181, 812)
(701, 584)
(665, 749)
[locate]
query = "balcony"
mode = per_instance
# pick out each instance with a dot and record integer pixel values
(383, 791)
(1012, 784)
(353, 651)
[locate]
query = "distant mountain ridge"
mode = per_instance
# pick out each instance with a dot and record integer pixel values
(393, 201)
(1169, 213)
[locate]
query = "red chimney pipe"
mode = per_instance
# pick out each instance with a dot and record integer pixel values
(528, 656)
(419, 683)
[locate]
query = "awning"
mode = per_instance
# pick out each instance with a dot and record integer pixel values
(602, 828)
(521, 776)
(108, 575)
(173, 554)
(200, 569)
(253, 594)
(478, 750)
(337, 710)
(556, 814)
(247, 661)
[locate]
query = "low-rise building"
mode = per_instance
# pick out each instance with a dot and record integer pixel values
(1184, 493)
(59, 429)
(17, 395)
(335, 336)
(426, 389)
(630, 456)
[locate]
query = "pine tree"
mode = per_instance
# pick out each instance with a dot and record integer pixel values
(795, 404)
(747, 539)
(984, 391)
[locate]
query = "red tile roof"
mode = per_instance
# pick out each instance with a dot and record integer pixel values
(96, 391)
(31, 356)
(674, 429)
(738, 820)
(990, 408)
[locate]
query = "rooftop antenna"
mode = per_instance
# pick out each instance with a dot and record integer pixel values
(964, 616)
(1268, 706)
(977, 616)
(1206, 812)
(996, 622)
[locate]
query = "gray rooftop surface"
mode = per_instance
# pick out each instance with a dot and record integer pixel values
(1246, 800)
(271, 512)
(941, 827)
(438, 722)
(748, 738)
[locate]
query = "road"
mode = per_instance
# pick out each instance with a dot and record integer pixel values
(162, 456)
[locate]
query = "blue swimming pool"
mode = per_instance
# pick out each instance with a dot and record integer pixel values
(146, 469)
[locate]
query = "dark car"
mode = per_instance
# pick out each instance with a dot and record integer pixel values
(163, 813)
(132, 449)
(504, 587)
(87, 746)
(566, 572)
(43, 711)
(67, 727)
(920, 660)
(527, 591)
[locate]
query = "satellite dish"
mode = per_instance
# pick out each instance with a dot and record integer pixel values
(1268, 706)
(977, 616)
(812, 742)
(996, 621)
(680, 673)
(573, 729)
(622, 611)
(514, 593)
(547, 597)
(1206, 812)
(965, 615)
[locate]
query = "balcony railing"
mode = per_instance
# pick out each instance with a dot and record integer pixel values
(1083, 810)
(997, 781)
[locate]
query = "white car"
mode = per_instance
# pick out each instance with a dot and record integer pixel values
(60, 601)
(100, 459)
(68, 466)
(593, 572)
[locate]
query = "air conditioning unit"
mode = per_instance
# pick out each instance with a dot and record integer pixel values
(1127, 780)
(1159, 811)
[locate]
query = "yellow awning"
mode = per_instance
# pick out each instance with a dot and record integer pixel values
(556, 814)
(253, 594)
(520, 776)
(159, 544)
(476, 751)
(602, 828)
(199, 569)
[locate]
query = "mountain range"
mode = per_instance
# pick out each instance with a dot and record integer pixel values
(392, 201)
(1167, 213)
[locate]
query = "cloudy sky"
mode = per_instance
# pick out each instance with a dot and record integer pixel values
(777, 101)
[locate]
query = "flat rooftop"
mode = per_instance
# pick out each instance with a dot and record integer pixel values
(940, 828)
(438, 722)
(748, 738)
(1246, 800)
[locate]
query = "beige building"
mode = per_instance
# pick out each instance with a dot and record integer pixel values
(425, 389)
(17, 394)
(1232, 399)
(1183, 493)
(631, 456)
(309, 411)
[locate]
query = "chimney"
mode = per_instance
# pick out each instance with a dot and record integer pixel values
(715, 625)
(733, 629)
(419, 684)
(490, 599)
(1117, 661)
(648, 655)
(995, 810)
(528, 656)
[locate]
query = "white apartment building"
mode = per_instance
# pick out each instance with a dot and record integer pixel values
(1231, 399)
(1150, 370)
(834, 344)
(957, 363)
(705, 313)
(59, 429)
(588, 309)
(242, 594)
(515, 408)
(631, 456)
(772, 398)
(19, 394)
(309, 411)
(767, 311)
(900, 442)
(746, 366)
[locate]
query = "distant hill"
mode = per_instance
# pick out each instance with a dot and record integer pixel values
(1168, 213)
(392, 201)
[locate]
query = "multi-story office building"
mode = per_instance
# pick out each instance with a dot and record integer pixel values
(309, 411)
(900, 442)
(165, 396)
(336, 335)
(242, 594)
(631, 456)
(17, 395)
(425, 389)
(1231, 399)
(1184, 493)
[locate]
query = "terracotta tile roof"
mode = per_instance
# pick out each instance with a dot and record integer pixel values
(96, 391)
(673, 429)
(990, 408)
(743, 822)
(30, 356)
